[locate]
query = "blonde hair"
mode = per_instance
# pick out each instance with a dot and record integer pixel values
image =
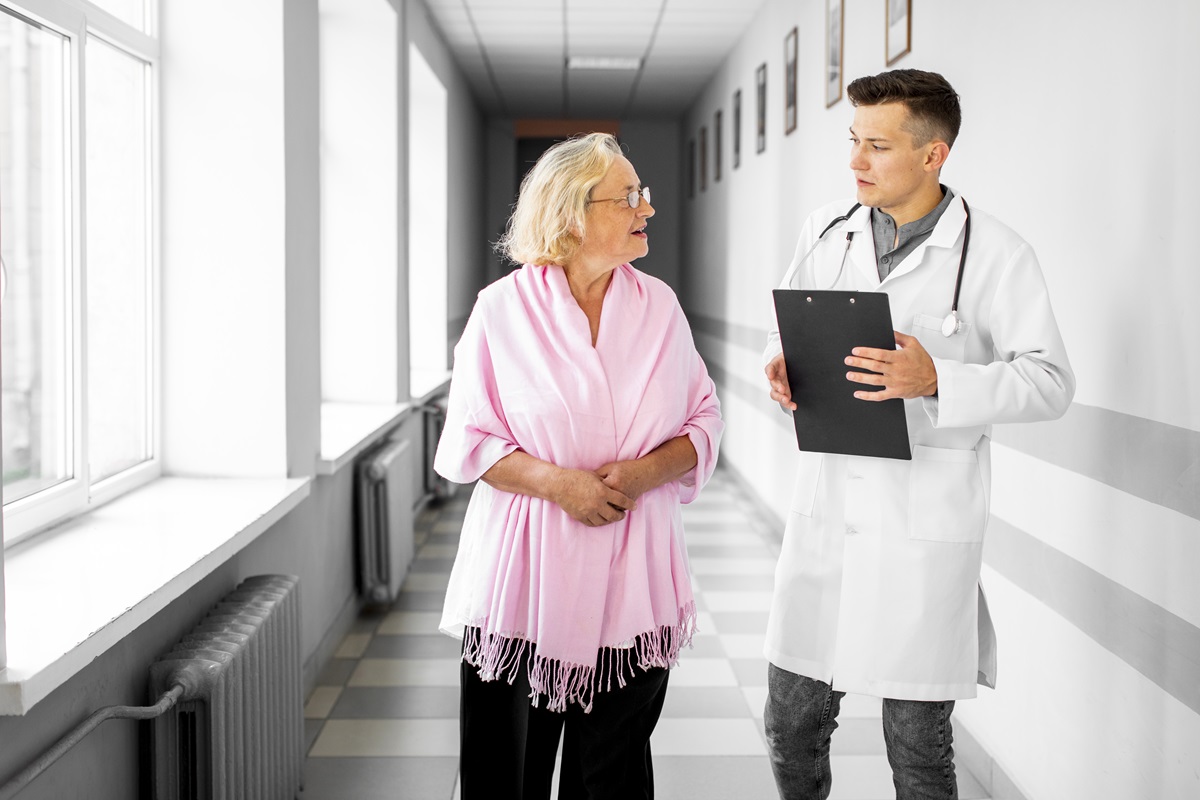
(547, 226)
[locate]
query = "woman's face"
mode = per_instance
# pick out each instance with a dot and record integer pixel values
(615, 233)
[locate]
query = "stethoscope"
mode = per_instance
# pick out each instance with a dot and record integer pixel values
(951, 324)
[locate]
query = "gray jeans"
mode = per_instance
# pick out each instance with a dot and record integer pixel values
(801, 715)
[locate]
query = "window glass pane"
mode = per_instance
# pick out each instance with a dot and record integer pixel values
(117, 263)
(131, 11)
(33, 245)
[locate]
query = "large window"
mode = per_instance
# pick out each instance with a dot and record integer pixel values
(77, 242)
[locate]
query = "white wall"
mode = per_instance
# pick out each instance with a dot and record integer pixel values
(467, 255)
(1076, 120)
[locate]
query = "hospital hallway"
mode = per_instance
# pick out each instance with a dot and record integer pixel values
(382, 722)
(257, 265)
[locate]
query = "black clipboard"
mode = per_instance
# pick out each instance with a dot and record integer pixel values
(818, 329)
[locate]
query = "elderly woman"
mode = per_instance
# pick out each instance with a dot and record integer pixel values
(580, 403)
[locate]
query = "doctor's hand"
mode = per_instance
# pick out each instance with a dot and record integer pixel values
(781, 392)
(587, 499)
(906, 372)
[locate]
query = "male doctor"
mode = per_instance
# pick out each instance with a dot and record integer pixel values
(877, 586)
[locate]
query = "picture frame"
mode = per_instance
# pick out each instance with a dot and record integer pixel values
(790, 57)
(691, 168)
(736, 129)
(834, 39)
(717, 120)
(703, 158)
(898, 29)
(761, 79)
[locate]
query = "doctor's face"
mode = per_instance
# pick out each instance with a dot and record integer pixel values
(890, 170)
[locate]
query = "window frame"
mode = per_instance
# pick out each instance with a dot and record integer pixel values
(77, 21)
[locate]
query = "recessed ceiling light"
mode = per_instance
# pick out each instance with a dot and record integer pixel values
(603, 62)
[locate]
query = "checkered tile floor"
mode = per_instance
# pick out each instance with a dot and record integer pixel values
(383, 722)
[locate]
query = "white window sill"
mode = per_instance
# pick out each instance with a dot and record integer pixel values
(347, 429)
(77, 590)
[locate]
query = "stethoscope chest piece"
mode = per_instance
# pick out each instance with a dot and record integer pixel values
(951, 325)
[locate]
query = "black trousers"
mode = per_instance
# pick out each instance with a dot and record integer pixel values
(508, 747)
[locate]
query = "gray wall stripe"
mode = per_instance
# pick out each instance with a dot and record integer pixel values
(1157, 462)
(1160, 645)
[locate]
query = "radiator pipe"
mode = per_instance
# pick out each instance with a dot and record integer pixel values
(27, 776)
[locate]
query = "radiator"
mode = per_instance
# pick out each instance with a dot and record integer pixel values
(386, 497)
(238, 731)
(436, 487)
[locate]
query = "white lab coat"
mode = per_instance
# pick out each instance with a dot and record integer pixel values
(877, 587)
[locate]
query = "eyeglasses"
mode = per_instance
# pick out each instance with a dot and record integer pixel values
(634, 198)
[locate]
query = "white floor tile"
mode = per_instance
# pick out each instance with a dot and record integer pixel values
(321, 702)
(707, 737)
(703, 672)
(731, 566)
(859, 705)
(743, 645)
(737, 601)
(353, 646)
(438, 551)
(861, 778)
(756, 700)
(752, 542)
(405, 672)
(349, 738)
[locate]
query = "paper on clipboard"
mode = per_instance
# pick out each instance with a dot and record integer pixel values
(818, 329)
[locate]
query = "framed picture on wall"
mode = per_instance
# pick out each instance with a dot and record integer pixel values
(833, 51)
(762, 106)
(899, 29)
(717, 145)
(703, 159)
(736, 128)
(790, 44)
(692, 168)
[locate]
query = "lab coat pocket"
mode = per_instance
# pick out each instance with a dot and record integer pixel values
(928, 330)
(946, 500)
(808, 476)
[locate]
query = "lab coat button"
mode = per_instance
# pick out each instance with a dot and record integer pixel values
(850, 530)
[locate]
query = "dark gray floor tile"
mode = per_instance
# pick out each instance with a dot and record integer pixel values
(379, 778)
(368, 620)
(312, 729)
(432, 565)
(414, 646)
(704, 647)
(705, 702)
(727, 551)
(398, 702)
(337, 672)
(419, 601)
(750, 671)
(713, 778)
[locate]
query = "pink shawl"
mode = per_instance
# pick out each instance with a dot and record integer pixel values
(527, 377)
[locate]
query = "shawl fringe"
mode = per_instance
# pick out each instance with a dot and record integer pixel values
(500, 656)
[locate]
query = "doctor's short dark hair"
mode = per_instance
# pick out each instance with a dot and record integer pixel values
(931, 100)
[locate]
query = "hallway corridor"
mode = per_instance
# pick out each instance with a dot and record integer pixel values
(382, 724)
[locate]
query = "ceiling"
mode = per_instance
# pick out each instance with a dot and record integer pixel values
(514, 53)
